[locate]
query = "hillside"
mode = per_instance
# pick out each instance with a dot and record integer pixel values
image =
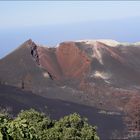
(89, 72)
(97, 78)
(15, 99)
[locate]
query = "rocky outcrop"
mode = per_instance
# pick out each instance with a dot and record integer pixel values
(34, 52)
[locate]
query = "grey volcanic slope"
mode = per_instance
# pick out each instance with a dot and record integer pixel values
(119, 65)
(19, 67)
(18, 99)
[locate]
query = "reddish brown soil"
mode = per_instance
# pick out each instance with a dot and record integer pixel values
(73, 62)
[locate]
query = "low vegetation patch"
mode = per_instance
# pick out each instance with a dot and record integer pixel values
(33, 125)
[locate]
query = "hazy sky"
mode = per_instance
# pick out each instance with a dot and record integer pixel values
(50, 22)
(36, 13)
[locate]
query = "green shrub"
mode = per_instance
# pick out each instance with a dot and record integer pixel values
(32, 125)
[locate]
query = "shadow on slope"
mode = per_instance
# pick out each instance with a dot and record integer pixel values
(17, 99)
